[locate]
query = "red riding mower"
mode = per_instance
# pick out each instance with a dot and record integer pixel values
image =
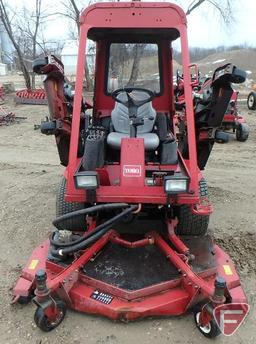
(232, 120)
(130, 237)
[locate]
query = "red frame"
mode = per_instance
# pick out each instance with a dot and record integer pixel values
(132, 15)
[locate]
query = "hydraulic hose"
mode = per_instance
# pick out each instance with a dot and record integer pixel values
(109, 222)
(94, 209)
(95, 235)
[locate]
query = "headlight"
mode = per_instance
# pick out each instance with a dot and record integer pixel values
(86, 180)
(175, 184)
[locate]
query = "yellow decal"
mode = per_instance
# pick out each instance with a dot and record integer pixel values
(227, 270)
(33, 264)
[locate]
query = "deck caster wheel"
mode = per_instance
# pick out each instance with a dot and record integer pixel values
(44, 322)
(211, 330)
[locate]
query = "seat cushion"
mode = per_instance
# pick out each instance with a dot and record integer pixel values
(151, 140)
(120, 115)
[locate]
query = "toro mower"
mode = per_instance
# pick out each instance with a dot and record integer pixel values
(130, 238)
(232, 120)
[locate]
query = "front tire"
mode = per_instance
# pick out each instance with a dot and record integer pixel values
(63, 207)
(189, 223)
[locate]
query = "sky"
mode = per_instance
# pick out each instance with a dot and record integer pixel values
(205, 28)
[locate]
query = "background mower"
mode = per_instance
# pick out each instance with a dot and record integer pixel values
(133, 210)
(232, 120)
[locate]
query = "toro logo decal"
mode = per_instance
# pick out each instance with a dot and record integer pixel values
(132, 171)
(229, 317)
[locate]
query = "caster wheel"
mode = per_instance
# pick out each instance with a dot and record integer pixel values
(211, 330)
(44, 323)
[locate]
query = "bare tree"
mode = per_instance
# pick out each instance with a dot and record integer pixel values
(4, 16)
(34, 33)
(137, 54)
(23, 30)
(28, 27)
(224, 8)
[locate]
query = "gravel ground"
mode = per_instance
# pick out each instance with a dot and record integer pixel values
(29, 175)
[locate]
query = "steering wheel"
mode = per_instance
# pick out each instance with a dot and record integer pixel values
(132, 102)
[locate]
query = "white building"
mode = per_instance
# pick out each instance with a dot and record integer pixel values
(69, 56)
(6, 50)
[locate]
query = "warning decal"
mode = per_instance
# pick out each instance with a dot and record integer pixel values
(101, 297)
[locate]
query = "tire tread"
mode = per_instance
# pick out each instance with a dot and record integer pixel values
(189, 223)
(63, 207)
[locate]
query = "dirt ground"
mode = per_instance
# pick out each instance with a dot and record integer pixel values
(29, 175)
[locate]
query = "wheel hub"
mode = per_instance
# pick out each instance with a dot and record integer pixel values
(251, 100)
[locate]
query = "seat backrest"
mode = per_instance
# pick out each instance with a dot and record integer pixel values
(121, 122)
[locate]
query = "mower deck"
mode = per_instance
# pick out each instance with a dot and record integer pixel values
(131, 279)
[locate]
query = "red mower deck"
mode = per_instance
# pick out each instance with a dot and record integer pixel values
(104, 279)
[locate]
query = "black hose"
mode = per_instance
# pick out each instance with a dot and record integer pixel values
(89, 240)
(109, 222)
(85, 211)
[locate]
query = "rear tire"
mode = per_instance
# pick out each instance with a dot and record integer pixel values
(242, 132)
(251, 101)
(63, 207)
(189, 223)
